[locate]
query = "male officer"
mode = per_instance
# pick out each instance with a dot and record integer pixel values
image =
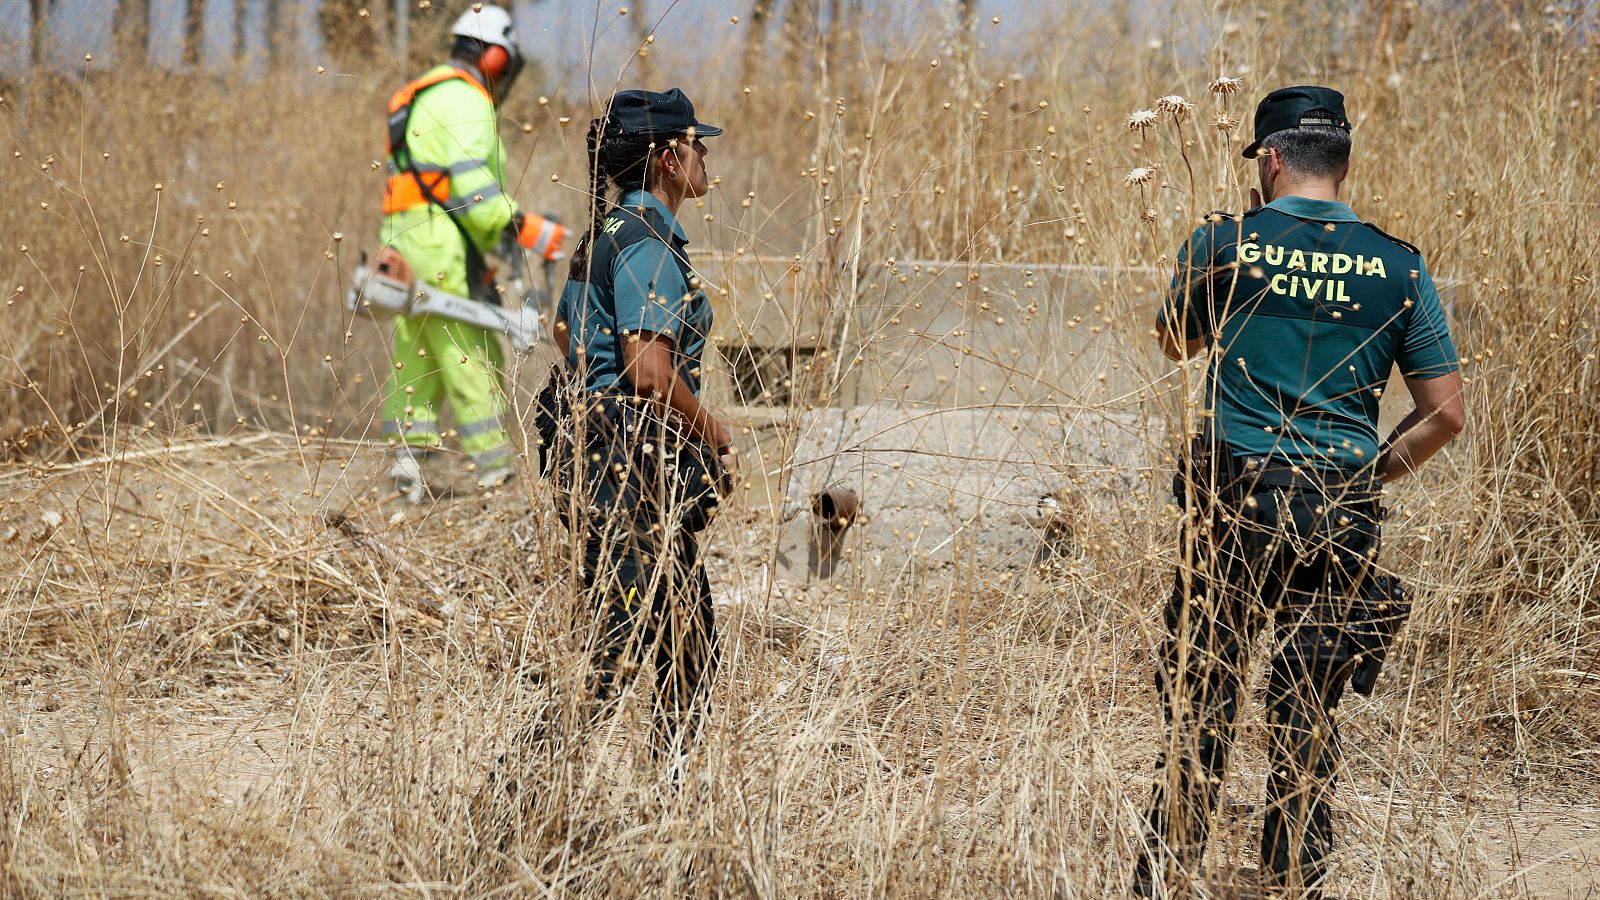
(444, 207)
(1304, 311)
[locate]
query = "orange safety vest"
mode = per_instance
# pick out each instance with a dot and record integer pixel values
(403, 190)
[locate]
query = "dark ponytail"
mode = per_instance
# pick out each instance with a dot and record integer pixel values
(615, 159)
(597, 196)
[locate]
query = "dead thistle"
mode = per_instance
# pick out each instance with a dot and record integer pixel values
(1141, 119)
(1175, 106)
(1139, 176)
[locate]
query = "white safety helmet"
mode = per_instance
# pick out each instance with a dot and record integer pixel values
(490, 24)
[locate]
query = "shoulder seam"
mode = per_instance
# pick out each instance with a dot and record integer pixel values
(1405, 244)
(1218, 216)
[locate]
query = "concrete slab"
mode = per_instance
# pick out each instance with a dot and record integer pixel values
(936, 483)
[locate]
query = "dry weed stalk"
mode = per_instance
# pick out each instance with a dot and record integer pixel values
(234, 669)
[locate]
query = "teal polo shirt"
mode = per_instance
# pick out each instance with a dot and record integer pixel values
(647, 290)
(1309, 310)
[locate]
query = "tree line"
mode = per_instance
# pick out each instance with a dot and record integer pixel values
(809, 33)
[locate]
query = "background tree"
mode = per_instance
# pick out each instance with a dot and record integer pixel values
(755, 39)
(800, 37)
(359, 43)
(194, 34)
(130, 22)
(428, 31)
(640, 23)
(38, 16)
(965, 42)
(281, 34)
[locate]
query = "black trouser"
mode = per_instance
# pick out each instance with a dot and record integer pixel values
(652, 606)
(1296, 555)
(647, 591)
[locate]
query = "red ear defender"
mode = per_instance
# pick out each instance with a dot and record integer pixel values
(494, 61)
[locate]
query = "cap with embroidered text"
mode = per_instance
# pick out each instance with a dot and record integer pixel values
(1295, 107)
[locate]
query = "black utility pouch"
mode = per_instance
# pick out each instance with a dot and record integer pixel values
(698, 476)
(1381, 607)
(1194, 472)
(552, 410)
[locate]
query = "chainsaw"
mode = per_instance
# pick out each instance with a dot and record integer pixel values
(386, 287)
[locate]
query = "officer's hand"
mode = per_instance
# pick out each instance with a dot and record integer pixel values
(730, 468)
(1255, 198)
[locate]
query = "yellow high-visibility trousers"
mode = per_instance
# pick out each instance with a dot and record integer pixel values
(437, 360)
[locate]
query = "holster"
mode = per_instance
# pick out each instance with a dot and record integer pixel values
(677, 475)
(551, 408)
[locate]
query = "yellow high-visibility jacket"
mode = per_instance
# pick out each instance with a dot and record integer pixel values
(454, 143)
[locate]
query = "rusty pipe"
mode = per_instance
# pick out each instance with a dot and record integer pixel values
(835, 508)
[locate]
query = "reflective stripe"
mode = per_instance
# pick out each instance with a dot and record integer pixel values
(464, 166)
(415, 434)
(414, 426)
(489, 192)
(470, 165)
(542, 236)
(482, 426)
(548, 232)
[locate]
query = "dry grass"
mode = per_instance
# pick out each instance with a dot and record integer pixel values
(233, 669)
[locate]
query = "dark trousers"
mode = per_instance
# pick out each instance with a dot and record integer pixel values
(653, 604)
(1293, 555)
(643, 577)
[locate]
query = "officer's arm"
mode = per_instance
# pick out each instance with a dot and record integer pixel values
(648, 362)
(563, 336)
(1432, 372)
(1440, 415)
(651, 300)
(1173, 348)
(569, 306)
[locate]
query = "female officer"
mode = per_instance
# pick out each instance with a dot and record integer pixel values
(643, 459)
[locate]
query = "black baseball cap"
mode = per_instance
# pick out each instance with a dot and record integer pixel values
(1292, 107)
(649, 112)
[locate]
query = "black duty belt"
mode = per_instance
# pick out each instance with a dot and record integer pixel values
(1236, 483)
(1269, 472)
(1248, 473)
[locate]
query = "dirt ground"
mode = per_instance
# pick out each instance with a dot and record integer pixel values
(221, 728)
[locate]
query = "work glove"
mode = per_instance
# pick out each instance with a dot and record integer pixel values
(543, 235)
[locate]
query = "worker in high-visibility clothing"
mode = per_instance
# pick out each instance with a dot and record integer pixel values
(444, 208)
